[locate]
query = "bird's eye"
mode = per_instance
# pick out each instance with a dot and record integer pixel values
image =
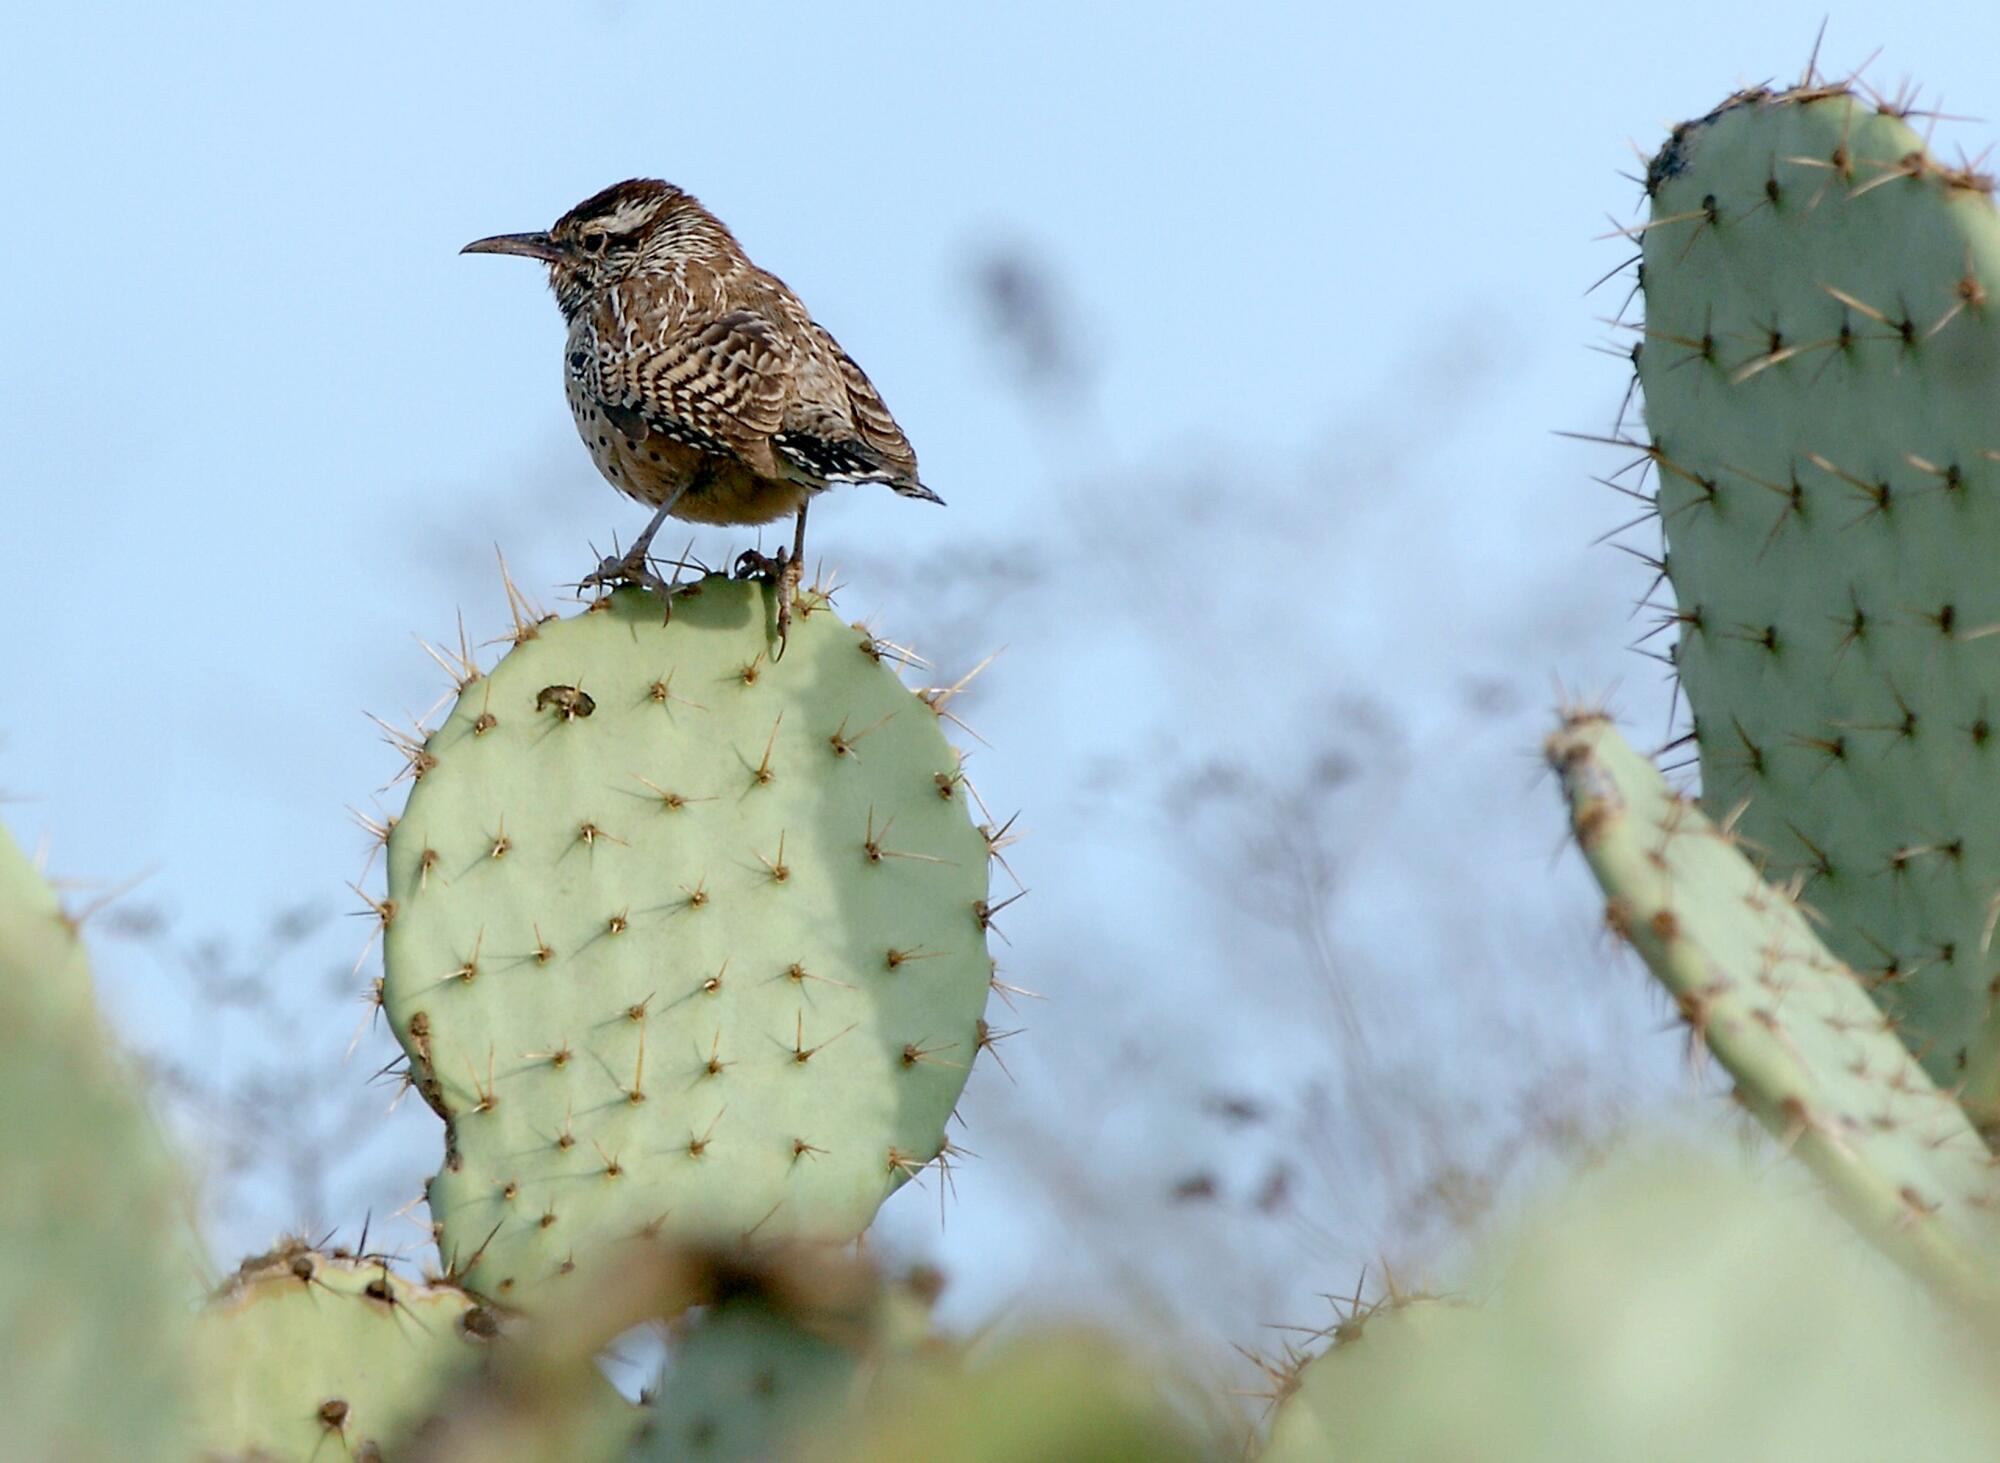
(593, 243)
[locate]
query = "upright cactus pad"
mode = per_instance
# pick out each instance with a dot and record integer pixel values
(95, 1278)
(1812, 1055)
(307, 1356)
(682, 937)
(1821, 365)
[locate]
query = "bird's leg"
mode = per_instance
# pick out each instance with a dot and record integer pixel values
(788, 581)
(784, 570)
(631, 567)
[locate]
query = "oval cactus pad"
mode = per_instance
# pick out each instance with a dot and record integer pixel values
(681, 936)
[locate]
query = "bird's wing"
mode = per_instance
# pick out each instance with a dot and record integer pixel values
(838, 429)
(872, 421)
(720, 383)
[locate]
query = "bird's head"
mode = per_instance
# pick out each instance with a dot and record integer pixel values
(607, 238)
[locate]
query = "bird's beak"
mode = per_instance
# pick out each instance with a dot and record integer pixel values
(528, 246)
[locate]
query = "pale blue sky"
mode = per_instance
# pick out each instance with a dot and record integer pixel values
(251, 366)
(262, 422)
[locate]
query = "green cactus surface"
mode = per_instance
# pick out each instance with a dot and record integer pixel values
(783, 1355)
(1668, 1309)
(1368, 1356)
(42, 958)
(681, 937)
(1812, 1055)
(306, 1356)
(1070, 1396)
(95, 1280)
(743, 1379)
(1821, 367)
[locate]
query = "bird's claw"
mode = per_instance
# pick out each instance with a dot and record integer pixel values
(752, 564)
(784, 570)
(633, 568)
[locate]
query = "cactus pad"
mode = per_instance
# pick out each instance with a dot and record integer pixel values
(306, 1355)
(1325, 1395)
(1812, 1055)
(94, 1279)
(744, 1377)
(681, 938)
(1821, 365)
(1069, 1396)
(1670, 1310)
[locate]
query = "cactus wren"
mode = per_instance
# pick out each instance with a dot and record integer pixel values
(699, 383)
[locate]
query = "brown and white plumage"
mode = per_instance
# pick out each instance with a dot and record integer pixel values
(699, 382)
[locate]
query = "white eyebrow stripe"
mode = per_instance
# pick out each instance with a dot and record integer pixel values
(628, 218)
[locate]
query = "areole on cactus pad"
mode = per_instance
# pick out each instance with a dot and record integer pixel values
(681, 937)
(1821, 366)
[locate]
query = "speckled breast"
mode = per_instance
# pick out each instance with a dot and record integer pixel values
(711, 488)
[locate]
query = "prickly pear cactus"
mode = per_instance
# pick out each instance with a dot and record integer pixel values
(1821, 364)
(745, 1376)
(95, 1272)
(680, 937)
(782, 1354)
(1812, 1056)
(1075, 1397)
(1372, 1353)
(306, 1355)
(44, 959)
(1665, 1310)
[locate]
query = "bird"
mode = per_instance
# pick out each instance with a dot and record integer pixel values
(701, 385)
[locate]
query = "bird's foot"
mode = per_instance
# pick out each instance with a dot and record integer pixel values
(632, 567)
(784, 570)
(752, 564)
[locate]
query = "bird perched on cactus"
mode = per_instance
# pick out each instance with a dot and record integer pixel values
(699, 382)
